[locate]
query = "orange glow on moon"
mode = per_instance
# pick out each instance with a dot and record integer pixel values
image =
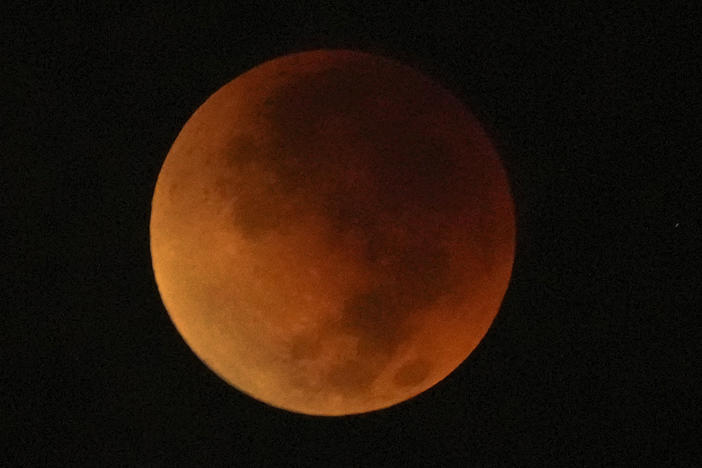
(332, 232)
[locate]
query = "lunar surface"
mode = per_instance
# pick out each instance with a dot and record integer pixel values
(332, 232)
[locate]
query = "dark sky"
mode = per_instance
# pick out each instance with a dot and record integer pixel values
(591, 358)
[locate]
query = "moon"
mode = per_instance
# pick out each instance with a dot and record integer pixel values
(332, 232)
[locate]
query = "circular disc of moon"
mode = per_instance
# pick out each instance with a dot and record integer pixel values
(332, 232)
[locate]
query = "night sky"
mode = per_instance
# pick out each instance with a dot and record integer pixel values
(591, 359)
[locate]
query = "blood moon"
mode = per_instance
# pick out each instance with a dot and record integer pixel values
(332, 232)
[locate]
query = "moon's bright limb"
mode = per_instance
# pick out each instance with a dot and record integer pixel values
(332, 233)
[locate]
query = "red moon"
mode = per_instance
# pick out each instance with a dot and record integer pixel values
(332, 232)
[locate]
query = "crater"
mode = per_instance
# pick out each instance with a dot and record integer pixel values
(353, 376)
(257, 216)
(241, 148)
(412, 373)
(305, 347)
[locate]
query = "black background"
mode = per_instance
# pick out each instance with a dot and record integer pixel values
(591, 358)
